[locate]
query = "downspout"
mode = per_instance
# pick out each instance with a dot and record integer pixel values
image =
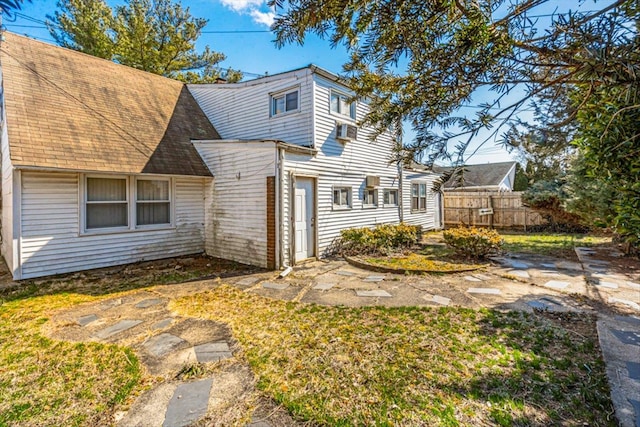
(279, 206)
(400, 198)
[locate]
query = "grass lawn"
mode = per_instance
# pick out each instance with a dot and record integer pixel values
(416, 366)
(44, 382)
(556, 244)
(419, 262)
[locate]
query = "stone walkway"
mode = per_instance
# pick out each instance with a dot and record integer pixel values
(171, 347)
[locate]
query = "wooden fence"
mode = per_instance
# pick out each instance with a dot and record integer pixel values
(488, 209)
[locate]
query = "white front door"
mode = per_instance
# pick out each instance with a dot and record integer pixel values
(304, 219)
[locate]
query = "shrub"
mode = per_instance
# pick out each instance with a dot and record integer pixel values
(473, 242)
(382, 239)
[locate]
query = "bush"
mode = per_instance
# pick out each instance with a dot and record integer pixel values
(382, 239)
(473, 242)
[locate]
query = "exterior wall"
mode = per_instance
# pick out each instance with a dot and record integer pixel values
(431, 218)
(340, 164)
(236, 223)
(243, 111)
(8, 244)
(50, 222)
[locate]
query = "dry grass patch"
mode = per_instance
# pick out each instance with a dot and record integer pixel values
(420, 263)
(48, 382)
(416, 366)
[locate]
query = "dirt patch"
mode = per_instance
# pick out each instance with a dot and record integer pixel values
(130, 276)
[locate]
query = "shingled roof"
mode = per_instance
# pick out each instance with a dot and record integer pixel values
(72, 111)
(474, 176)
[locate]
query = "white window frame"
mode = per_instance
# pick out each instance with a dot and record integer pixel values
(352, 105)
(283, 94)
(131, 182)
(373, 205)
(349, 199)
(419, 185)
(384, 197)
(136, 201)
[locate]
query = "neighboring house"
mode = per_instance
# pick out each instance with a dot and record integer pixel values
(98, 167)
(291, 144)
(484, 177)
(105, 165)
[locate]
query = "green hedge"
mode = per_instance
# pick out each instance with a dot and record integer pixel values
(382, 239)
(473, 242)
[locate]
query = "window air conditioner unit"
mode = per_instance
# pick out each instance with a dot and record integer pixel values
(373, 181)
(346, 132)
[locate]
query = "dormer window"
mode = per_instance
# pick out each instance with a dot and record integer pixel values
(340, 105)
(284, 102)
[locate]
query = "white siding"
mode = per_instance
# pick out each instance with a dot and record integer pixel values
(51, 242)
(236, 223)
(341, 164)
(431, 218)
(242, 110)
(7, 202)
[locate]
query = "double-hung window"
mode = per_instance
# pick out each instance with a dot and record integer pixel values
(390, 197)
(107, 203)
(153, 203)
(419, 196)
(126, 203)
(284, 102)
(340, 105)
(341, 197)
(370, 197)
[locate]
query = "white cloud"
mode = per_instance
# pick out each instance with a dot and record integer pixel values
(253, 8)
(265, 18)
(242, 5)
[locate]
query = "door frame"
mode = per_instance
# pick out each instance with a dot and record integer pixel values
(292, 215)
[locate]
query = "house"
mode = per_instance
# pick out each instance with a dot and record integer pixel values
(295, 135)
(98, 164)
(483, 177)
(105, 165)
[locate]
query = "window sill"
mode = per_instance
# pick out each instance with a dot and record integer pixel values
(341, 208)
(389, 206)
(418, 210)
(343, 118)
(285, 114)
(369, 207)
(140, 229)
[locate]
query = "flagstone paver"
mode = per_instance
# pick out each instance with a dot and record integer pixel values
(212, 352)
(488, 291)
(520, 273)
(633, 285)
(626, 302)
(556, 284)
(345, 273)
(482, 276)
(85, 320)
(277, 286)
(472, 279)
(609, 285)
(162, 323)
(324, 286)
(188, 404)
(148, 303)
(373, 293)
(374, 279)
(441, 300)
(247, 281)
(160, 345)
(112, 330)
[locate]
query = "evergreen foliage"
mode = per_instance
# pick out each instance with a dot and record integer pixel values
(157, 36)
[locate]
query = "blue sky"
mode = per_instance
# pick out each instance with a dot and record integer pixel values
(249, 45)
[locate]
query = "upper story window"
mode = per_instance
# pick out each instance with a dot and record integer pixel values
(340, 105)
(285, 102)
